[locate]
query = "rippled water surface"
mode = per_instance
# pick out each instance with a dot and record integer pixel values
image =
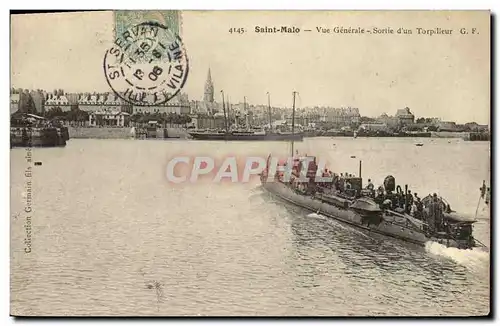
(110, 235)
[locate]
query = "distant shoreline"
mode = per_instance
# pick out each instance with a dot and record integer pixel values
(125, 133)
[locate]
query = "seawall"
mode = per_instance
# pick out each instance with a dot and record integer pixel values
(116, 132)
(448, 134)
(463, 135)
(177, 133)
(99, 133)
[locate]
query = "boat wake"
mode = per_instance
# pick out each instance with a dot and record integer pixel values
(337, 224)
(316, 216)
(467, 257)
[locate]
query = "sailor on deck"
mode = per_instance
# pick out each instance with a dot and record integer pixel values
(326, 174)
(413, 210)
(435, 213)
(419, 207)
(341, 186)
(387, 204)
(409, 202)
(336, 181)
(379, 198)
(371, 188)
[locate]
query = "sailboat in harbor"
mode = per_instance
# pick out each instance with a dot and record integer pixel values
(389, 211)
(248, 133)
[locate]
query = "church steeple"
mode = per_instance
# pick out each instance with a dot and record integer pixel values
(209, 89)
(209, 77)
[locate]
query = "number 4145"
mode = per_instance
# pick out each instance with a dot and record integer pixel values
(237, 30)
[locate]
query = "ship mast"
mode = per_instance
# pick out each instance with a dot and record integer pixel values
(228, 113)
(224, 109)
(245, 111)
(293, 118)
(269, 111)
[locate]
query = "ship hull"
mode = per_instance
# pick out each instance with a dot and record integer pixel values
(255, 137)
(38, 136)
(390, 225)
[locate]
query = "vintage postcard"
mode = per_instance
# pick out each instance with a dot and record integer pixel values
(250, 163)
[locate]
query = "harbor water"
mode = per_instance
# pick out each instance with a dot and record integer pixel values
(109, 235)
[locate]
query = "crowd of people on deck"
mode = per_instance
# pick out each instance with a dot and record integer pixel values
(392, 197)
(342, 184)
(388, 196)
(401, 202)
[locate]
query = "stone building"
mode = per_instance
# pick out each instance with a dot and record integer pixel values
(60, 101)
(210, 122)
(38, 98)
(178, 104)
(390, 121)
(405, 117)
(14, 102)
(342, 116)
(102, 102)
(109, 116)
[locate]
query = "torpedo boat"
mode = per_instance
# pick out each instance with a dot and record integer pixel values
(389, 210)
(387, 213)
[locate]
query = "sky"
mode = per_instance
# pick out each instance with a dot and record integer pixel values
(445, 76)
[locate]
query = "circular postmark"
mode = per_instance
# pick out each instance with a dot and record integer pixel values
(147, 64)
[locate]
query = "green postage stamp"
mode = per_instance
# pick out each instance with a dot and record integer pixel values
(125, 19)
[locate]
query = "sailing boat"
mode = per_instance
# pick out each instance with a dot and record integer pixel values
(248, 134)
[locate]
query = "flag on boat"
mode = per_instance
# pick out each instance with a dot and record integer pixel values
(483, 189)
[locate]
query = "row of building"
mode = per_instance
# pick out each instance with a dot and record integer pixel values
(111, 109)
(103, 109)
(43, 102)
